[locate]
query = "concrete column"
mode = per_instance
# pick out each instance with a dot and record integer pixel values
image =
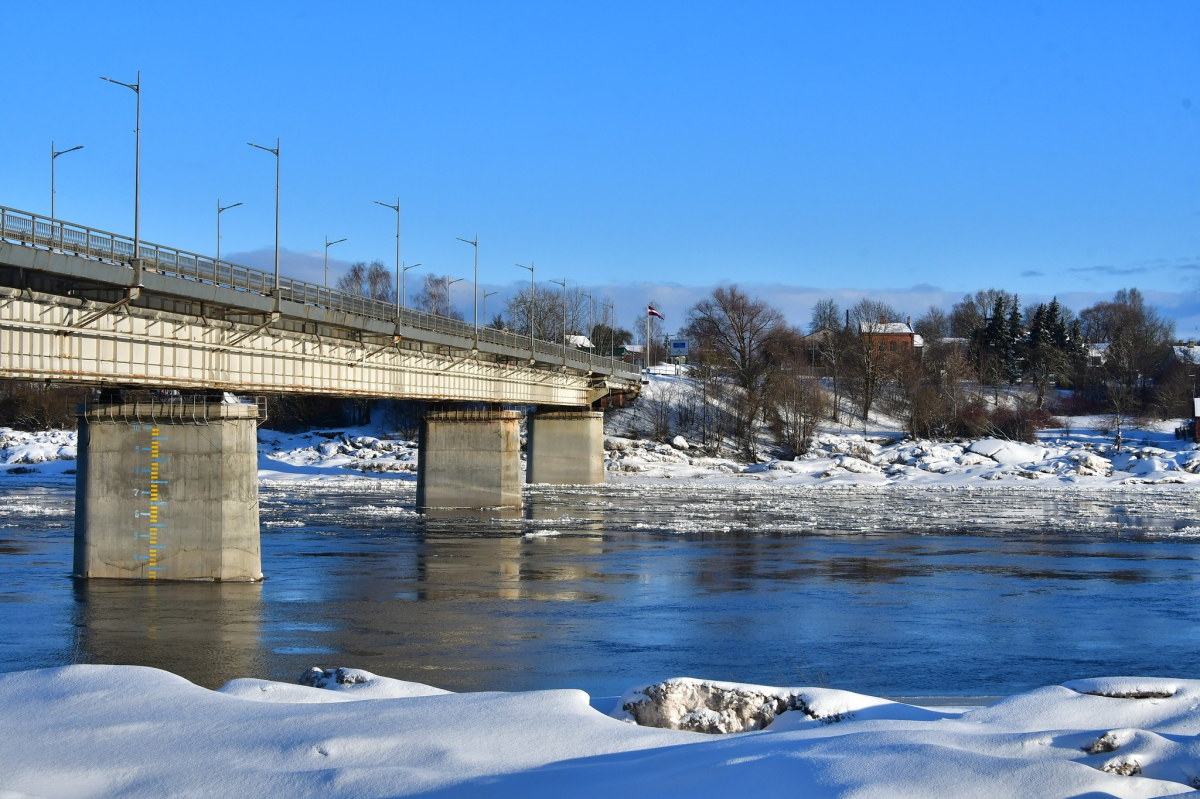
(469, 459)
(566, 448)
(167, 492)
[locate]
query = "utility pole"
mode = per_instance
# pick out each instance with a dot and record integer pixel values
(329, 244)
(532, 301)
(403, 286)
(563, 283)
(474, 243)
(487, 294)
(53, 155)
(274, 152)
(399, 272)
(137, 174)
(221, 210)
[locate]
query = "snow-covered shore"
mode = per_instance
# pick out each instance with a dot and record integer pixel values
(1078, 457)
(95, 731)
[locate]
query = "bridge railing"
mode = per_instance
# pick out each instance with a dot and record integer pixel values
(54, 234)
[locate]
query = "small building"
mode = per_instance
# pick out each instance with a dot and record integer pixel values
(1097, 354)
(892, 336)
(1186, 353)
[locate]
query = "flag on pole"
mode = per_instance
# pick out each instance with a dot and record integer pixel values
(652, 312)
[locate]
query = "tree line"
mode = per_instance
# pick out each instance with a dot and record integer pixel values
(990, 366)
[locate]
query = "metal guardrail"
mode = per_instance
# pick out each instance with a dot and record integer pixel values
(196, 409)
(34, 230)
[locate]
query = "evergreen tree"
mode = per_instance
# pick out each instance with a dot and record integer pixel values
(1014, 334)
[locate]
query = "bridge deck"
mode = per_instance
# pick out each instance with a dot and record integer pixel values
(72, 309)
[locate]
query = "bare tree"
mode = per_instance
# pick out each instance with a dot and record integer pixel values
(933, 326)
(796, 401)
(826, 315)
(369, 280)
(547, 317)
(1138, 338)
(434, 297)
(869, 356)
(738, 334)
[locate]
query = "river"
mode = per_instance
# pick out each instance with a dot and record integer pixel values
(890, 592)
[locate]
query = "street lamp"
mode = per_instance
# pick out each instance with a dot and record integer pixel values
(563, 283)
(55, 154)
(329, 244)
(220, 211)
(612, 339)
(274, 152)
(474, 243)
(487, 294)
(450, 283)
(137, 172)
(396, 208)
(403, 274)
(532, 301)
(591, 315)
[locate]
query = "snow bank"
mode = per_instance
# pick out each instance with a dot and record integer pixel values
(849, 459)
(1083, 457)
(46, 452)
(99, 731)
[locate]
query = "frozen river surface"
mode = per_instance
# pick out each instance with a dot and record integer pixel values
(887, 592)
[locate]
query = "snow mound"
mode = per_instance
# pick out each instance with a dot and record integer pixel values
(1008, 453)
(130, 731)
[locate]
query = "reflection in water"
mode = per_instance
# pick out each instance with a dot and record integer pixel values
(603, 589)
(208, 633)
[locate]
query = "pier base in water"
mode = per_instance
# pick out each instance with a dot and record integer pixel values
(167, 491)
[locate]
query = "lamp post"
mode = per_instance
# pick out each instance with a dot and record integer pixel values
(55, 154)
(487, 294)
(591, 315)
(396, 208)
(612, 338)
(403, 274)
(474, 243)
(532, 301)
(563, 283)
(450, 283)
(220, 211)
(137, 172)
(329, 244)
(274, 152)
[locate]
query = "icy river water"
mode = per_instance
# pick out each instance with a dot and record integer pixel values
(888, 592)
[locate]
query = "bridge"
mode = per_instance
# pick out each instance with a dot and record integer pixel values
(166, 488)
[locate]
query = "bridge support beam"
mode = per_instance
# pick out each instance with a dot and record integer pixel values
(566, 448)
(167, 491)
(469, 459)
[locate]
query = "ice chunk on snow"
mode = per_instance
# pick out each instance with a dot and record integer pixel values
(685, 703)
(365, 685)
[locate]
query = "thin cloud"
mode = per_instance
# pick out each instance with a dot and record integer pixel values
(1032, 273)
(1109, 270)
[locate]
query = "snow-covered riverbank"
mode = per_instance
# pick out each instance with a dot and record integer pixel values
(1077, 457)
(96, 731)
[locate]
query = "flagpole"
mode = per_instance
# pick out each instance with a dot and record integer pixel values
(647, 337)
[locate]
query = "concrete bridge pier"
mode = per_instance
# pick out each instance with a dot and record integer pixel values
(469, 460)
(566, 448)
(167, 491)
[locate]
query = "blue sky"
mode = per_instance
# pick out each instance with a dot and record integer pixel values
(909, 151)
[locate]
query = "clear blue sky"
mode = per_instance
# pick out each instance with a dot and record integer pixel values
(908, 150)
